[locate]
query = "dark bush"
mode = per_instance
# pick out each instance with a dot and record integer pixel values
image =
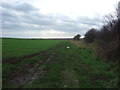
(90, 35)
(107, 38)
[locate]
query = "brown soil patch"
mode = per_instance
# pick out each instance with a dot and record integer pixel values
(26, 73)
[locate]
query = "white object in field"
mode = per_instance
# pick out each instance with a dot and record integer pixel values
(68, 47)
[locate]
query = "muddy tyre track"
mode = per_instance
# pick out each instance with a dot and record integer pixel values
(26, 74)
(15, 60)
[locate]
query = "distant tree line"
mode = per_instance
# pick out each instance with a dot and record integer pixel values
(107, 37)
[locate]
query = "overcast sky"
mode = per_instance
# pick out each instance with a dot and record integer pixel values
(53, 18)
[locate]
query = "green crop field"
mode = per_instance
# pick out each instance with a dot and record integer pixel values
(56, 67)
(21, 47)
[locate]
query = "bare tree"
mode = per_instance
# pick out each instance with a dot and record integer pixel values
(90, 35)
(118, 10)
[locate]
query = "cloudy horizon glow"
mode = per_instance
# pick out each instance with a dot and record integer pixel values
(53, 18)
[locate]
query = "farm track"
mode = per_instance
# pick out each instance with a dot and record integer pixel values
(76, 67)
(25, 74)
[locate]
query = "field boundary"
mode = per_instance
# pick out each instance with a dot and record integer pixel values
(12, 60)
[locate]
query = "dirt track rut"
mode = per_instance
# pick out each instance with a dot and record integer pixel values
(22, 79)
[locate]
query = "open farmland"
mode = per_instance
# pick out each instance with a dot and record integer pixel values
(22, 47)
(59, 67)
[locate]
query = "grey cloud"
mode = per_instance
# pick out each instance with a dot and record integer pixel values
(89, 21)
(38, 19)
(9, 16)
(23, 7)
(35, 20)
